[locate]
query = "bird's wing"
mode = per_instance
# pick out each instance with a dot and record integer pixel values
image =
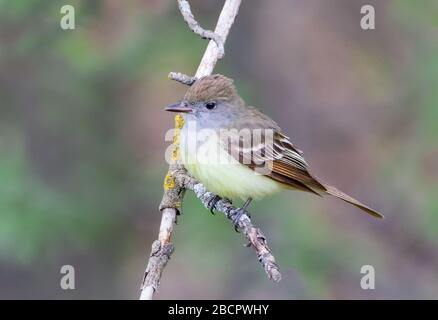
(271, 153)
(266, 147)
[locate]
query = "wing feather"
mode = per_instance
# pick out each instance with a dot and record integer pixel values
(284, 159)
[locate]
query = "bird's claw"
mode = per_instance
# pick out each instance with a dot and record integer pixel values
(236, 218)
(240, 212)
(212, 203)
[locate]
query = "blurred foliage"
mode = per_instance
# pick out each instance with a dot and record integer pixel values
(81, 145)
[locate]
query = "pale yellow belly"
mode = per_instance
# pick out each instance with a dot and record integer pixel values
(225, 176)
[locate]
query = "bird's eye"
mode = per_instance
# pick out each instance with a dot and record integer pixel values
(210, 105)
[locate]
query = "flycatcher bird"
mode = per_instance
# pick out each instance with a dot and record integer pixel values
(211, 107)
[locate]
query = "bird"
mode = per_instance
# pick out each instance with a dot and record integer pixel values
(236, 151)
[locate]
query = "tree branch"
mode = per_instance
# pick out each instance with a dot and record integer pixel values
(184, 8)
(224, 23)
(253, 234)
(181, 77)
(177, 180)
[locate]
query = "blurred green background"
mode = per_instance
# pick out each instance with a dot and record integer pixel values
(82, 148)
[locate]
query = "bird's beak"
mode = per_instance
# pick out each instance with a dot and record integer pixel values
(179, 107)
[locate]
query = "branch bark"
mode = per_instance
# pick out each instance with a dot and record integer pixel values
(254, 235)
(184, 8)
(177, 180)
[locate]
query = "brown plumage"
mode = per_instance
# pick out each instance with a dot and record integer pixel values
(211, 87)
(290, 168)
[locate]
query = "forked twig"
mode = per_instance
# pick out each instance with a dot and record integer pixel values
(177, 180)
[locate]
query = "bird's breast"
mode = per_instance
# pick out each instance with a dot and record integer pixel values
(208, 162)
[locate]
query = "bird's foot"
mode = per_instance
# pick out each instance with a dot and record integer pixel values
(238, 214)
(212, 203)
(236, 218)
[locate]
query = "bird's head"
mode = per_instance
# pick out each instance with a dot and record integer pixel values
(211, 101)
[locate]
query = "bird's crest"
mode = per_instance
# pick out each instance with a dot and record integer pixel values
(214, 87)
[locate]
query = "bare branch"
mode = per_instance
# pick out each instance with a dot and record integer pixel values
(181, 77)
(253, 234)
(213, 52)
(162, 248)
(160, 255)
(173, 187)
(186, 12)
(223, 26)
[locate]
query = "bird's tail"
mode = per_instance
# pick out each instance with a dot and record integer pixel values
(339, 194)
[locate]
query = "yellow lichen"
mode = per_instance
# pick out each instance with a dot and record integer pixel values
(169, 182)
(176, 138)
(175, 153)
(179, 121)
